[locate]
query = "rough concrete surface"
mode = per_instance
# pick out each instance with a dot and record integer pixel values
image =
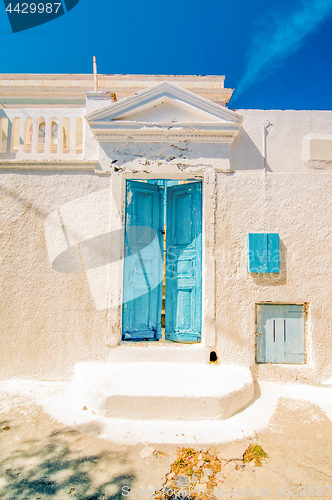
(41, 458)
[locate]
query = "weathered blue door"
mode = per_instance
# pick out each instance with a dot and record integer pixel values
(183, 311)
(280, 333)
(143, 265)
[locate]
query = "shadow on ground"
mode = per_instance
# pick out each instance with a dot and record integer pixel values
(53, 467)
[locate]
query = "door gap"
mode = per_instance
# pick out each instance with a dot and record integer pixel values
(164, 288)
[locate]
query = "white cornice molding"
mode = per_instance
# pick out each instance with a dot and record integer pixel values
(69, 89)
(164, 136)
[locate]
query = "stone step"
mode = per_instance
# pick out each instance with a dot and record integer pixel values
(162, 391)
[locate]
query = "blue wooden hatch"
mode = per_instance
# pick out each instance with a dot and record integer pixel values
(280, 333)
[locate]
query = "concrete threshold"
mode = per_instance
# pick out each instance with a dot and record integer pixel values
(162, 351)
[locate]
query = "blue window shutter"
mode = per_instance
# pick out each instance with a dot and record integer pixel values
(280, 334)
(263, 255)
(143, 265)
(258, 255)
(273, 252)
(183, 312)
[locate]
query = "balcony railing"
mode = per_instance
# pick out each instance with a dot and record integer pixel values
(37, 134)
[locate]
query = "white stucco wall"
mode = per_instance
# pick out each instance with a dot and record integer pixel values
(298, 207)
(285, 139)
(48, 319)
(51, 320)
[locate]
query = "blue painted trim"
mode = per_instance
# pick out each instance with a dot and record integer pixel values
(183, 337)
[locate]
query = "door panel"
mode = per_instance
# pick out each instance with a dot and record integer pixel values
(143, 266)
(184, 263)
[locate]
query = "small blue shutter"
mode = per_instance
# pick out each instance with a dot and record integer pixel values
(143, 265)
(183, 312)
(263, 255)
(280, 334)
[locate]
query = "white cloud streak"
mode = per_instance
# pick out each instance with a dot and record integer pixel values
(281, 38)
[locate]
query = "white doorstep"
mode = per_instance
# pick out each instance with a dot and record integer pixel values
(162, 391)
(155, 352)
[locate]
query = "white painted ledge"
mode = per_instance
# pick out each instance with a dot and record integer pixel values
(160, 391)
(156, 352)
(49, 164)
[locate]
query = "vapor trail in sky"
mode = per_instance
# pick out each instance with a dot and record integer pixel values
(281, 37)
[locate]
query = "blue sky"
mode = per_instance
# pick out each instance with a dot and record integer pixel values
(278, 55)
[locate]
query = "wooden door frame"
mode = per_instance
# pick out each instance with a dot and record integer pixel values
(208, 178)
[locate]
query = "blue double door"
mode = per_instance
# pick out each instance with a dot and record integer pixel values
(153, 264)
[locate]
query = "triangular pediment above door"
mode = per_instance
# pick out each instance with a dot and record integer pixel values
(160, 108)
(168, 110)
